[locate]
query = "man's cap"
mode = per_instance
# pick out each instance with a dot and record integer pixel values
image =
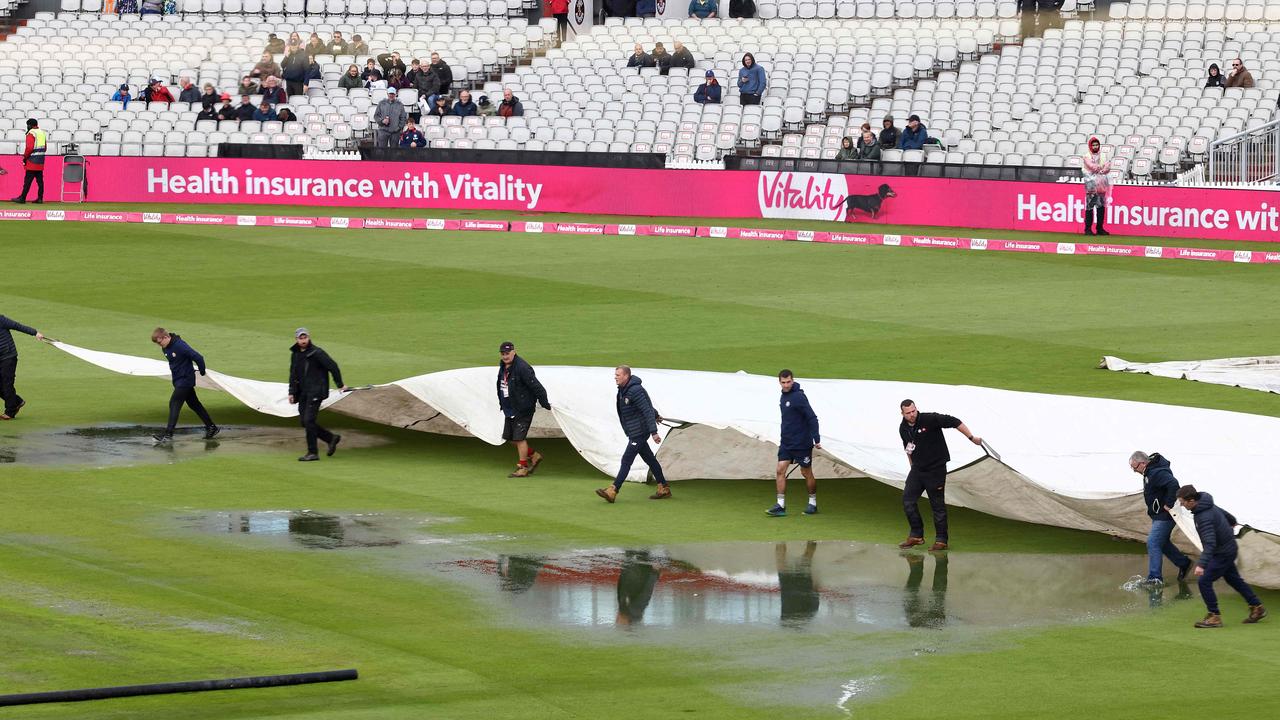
(124, 87)
(507, 346)
(224, 96)
(484, 99)
(153, 81)
(391, 91)
(711, 73)
(300, 332)
(915, 118)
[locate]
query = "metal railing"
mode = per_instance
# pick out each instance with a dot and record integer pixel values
(1252, 156)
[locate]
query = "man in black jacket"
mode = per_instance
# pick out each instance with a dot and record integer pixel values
(518, 391)
(927, 454)
(640, 422)
(13, 402)
(443, 71)
(797, 441)
(1216, 528)
(309, 371)
(1160, 492)
(180, 356)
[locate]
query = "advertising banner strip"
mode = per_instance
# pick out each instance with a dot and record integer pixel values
(575, 228)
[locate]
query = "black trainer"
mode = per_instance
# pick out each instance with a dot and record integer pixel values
(211, 432)
(309, 457)
(333, 444)
(163, 438)
(19, 200)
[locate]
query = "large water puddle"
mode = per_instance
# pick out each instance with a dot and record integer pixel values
(114, 445)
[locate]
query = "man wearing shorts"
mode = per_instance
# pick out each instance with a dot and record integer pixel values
(798, 440)
(518, 391)
(927, 454)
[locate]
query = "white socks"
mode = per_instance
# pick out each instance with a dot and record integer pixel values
(813, 499)
(782, 501)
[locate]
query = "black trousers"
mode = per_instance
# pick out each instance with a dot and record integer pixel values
(293, 87)
(186, 396)
(639, 446)
(562, 26)
(308, 410)
(8, 373)
(749, 99)
(38, 177)
(933, 482)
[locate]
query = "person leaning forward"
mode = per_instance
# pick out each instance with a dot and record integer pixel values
(927, 452)
(309, 371)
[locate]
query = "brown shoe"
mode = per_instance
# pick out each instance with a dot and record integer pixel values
(937, 546)
(5, 417)
(1256, 613)
(608, 493)
(663, 493)
(1211, 620)
(521, 471)
(911, 542)
(534, 459)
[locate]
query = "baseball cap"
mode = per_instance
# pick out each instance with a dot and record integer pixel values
(915, 118)
(507, 346)
(300, 332)
(224, 96)
(124, 87)
(391, 91)
(711, 73)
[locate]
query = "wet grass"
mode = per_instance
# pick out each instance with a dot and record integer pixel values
(97, 588)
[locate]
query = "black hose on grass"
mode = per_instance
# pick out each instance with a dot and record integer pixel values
(260, 681)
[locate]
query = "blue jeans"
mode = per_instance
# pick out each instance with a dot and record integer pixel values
(1159, 547)
(1224, 568)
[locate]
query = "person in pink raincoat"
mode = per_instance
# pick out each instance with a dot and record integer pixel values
(1097, 187)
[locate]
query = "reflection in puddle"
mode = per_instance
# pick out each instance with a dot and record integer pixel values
(304, 528)
(802, 585)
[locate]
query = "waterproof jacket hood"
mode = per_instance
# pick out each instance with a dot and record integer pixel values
(1159, 487)
(1216, 528)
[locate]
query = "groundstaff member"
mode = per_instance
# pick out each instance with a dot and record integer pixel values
(1218, 558)
(33, 161)
(181, 356)
(13, 402)
(640, 422)
(518, 391)
(1160, 491)
(798, 439)
(927, 453)
(309, 371)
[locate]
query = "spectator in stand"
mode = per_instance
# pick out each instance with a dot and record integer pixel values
(351, 78)
(620, 8)
(337, 46)
(425, 80)
(439, 106)
(465, 106)
(392, 61)
(709, 91)
(156, 92)
(914, 136)
(388, 120)
(443, 71)
(293, 69)
(314, 46)
(868, 148)
(646, 8)
(247, 86)
(245, 110)
(396, 80)
(486, 108)
(152, 7)
(264, 112)
(890, 134)
(210, 95)
(122, 96)
(661, 58)
(189, 93)
(857, 144)
(412, 137)
(742, 9)
(272, 92)
(207, 112)
(1097, 187)
(274, 45)
(751, 81)
(371, 72)
(266, 67)
(1239, 77)
(681, 57)
(228, 110)
(286, 115)
(358, 46)
(295, 40)
(559, 9)
(510, 105)
(847, 151)
(314, 76)
(639, 58)
(703, 9)
(1215, 77)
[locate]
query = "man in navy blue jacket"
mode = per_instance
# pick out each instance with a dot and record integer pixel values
(640, 422)
(927, 453)
(1216, 528)
(181, 356)
(797, 441)
(9, 366)
(1160, 492)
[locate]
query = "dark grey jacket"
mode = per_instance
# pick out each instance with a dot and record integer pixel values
(8, 350)
(1217, 530)
(309, 372)
(635, 411)
(523, 389)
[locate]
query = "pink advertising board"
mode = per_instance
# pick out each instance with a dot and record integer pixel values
(1153, 211)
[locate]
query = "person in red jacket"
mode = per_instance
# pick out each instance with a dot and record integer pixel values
(560, 11)
(33, 161)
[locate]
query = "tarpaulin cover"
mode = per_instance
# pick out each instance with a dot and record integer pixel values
(1252, 373)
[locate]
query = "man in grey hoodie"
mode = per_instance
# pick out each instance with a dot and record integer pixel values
(388, 120)
(1218, 556)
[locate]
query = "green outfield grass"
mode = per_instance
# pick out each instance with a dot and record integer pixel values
(101, 585)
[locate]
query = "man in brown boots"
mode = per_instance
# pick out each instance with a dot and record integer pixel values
(1218, 557)
(640, 422)
(518, 390)
(927, 454)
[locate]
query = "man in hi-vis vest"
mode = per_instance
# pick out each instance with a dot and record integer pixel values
(33, 161)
